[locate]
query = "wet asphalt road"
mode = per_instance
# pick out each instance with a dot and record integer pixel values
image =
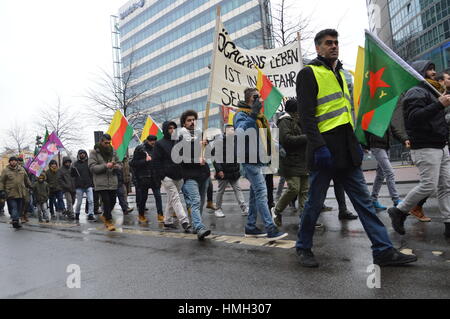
(136, 264)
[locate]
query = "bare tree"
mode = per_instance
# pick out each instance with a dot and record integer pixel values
(17, 139)
(122, 94)
(287, 22)
(64, 121)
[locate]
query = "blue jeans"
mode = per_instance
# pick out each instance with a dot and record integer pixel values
(89, 198)
(258, 198)
(57, 200)
(355, 186)
(15, 207)
(196, 192)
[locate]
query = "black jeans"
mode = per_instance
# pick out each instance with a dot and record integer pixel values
(209, 193)
(121, 195)
(143, 196)
(108, 198)
(340, 196)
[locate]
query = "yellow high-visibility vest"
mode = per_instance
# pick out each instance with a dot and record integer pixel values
(334, 107)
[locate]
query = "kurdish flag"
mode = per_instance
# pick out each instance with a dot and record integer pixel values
(269, 93)
(386, 77)
(121, 133)
(151, 128)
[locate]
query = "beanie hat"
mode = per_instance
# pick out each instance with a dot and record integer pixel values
(291, 106)
(151, 138)
(52, 162)
(13, 158)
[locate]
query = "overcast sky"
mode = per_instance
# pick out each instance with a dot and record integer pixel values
(54, 48)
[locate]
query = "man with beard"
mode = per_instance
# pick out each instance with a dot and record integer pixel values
(14, 185)
(103, 163)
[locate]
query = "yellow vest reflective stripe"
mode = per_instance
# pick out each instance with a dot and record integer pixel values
(334, 107)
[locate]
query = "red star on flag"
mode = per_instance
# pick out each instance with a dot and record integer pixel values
(376, 82)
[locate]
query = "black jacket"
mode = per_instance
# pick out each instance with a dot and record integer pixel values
(231, 170)
(424, 114)
(81, 172)
(374, 141)
(162, 155)
(191, 168)
(341, 141)
(146, 172)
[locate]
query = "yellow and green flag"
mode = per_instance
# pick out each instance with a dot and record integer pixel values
(151, 128)
(269, 93)
(122, 133)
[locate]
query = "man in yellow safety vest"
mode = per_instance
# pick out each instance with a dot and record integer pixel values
(334, 153)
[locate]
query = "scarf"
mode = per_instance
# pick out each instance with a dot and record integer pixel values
(436, 85)
(263, 126)
(106, 152)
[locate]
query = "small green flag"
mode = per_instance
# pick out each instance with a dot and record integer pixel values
(386, 77)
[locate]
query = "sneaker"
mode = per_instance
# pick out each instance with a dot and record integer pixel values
(276, 217)
(187, 228)
(378, 206)
(347, 215)
(16, 224)
(160, 219)
(91, 218)
(397, 202)
(202, 233)
(129, 210)
(170, 226)
(275, 234)
(255, 233)
(211, 205)
(398, 219)
(418, 213)
(306, 258)
(142, 219)
(245, 212)
(392, 257)
(219, 213)
(326, 208)
(447, 230)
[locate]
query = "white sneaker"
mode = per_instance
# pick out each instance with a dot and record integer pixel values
(219, 213)
(245, 212)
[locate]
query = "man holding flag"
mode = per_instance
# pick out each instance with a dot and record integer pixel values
(334, 152)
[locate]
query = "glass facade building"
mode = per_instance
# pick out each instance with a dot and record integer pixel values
(420, 29)
(166, 48)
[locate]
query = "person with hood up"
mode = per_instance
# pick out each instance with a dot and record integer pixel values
(171, 176)
(424, 112)
(41, 193)
(83, 184)
(67, 183)
(293, 165)
(104, 163)
(228, 171)
(147, 177)
(14, 184)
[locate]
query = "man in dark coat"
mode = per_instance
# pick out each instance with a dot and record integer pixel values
(228, 171)
(424, 111)
(67, 183)
(83, 184)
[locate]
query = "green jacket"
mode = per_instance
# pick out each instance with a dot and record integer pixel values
(41, 192)
(294, 143)
(14, 181)
(104, 178)
(53, 181)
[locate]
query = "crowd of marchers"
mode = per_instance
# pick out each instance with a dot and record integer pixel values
(316, 144)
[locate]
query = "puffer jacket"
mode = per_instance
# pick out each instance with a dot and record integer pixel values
(294, 142)
(231, 170)
(65, 178)
(162, 157)
(104, 178)
(424, 115)
(15, 182)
